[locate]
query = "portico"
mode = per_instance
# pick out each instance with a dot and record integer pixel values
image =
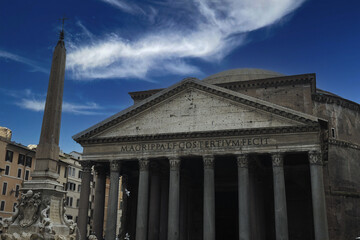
(203, 163)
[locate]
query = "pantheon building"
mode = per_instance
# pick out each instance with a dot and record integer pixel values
(242, 154)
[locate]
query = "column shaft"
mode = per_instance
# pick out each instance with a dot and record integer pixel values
(154, 210)
(84, 199)
(318, 196)
(243, 191)
(209, 198)
(98, 218)
(281, 223)
(143, 199)
(113, 200)
(174, 200)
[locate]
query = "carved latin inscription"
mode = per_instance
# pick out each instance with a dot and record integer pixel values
(235, 143)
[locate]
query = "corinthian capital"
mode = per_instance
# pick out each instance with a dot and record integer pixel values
(175, 163)
(209, 161)
(115, 166)
(315, 158)
(144, 164)
(86, 165)
(277, 159)
(242, 161)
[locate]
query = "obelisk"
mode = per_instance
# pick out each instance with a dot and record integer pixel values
(41, 208)
(47, 152)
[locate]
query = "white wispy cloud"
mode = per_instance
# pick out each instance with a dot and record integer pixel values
(216, 29)
(29, 100)
(13, 57)
(125, 6)
(81, 109)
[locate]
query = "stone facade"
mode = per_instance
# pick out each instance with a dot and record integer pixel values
(16, 162)
(243, 154)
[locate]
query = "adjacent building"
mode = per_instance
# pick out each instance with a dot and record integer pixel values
(242, 154)
(16, 163)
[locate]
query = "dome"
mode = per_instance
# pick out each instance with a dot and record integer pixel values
(240, 74)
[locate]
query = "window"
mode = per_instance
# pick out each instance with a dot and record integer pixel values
(73, 172)
(4, 188)
(79, 188)
(69, 201)
(80, 173)
(27, 173)
(71, 186)
(77, 202)
(14, 207)
(17, 190)
(58, 168)
(7, 170)
(65, 173)
(21, 159)
(28, 161)
(333, 132)
(9, 156)
(19, 173)
(2, 206)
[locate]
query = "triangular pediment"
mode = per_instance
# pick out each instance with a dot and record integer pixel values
(194, 106)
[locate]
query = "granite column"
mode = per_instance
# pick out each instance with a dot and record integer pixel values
(318, 196)
(112, 208)
(143, 200)
(174, 199)
(281, 223)
(209, 197)
(243, 191)
(98, 221)
(84, 199)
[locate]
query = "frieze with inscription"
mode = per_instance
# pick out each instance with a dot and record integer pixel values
(235, 143)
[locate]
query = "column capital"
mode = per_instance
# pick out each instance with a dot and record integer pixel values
(315, 158)
(277, 159)
(86, 166)
(99, 169)
(175, 163)
(242, 160)
(115, 166)
(209, 161)
(144, 164)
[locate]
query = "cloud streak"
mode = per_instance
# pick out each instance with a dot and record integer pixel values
(216, 29)
(67, 107)
(17, 58)
(27, 99)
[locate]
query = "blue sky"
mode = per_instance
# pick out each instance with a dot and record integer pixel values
(118, 46)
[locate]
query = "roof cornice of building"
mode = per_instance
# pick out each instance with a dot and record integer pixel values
(330, 98)
(15, 144)
(256, 83)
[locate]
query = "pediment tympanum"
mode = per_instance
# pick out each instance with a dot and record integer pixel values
(194, 110)
(193, 106)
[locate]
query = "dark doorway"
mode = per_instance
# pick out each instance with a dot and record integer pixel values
(298, 196)
(226, 198)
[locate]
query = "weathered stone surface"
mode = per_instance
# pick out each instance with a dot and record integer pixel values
(184, 111)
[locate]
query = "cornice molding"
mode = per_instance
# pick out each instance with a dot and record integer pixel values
(323, 98)
(188, 84)
(344, 144)
(221, 133)
(272, 82)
